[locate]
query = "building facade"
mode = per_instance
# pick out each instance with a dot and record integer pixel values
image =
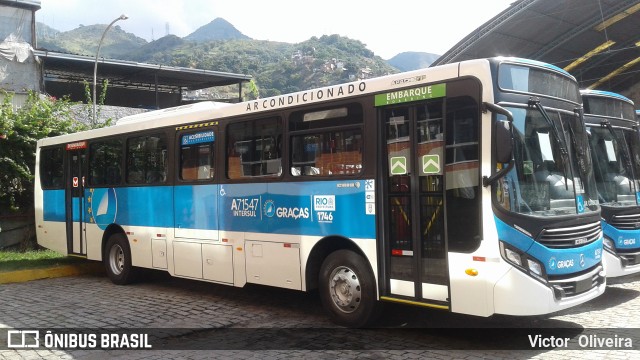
(19, 72)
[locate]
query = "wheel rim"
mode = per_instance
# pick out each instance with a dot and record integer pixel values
(116, 259)
(345, 289)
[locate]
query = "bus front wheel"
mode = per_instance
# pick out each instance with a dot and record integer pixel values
(117, 260)
(347, 289)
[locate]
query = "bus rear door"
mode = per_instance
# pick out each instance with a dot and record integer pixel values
(76, 171)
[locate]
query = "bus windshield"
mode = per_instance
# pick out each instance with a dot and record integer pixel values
(552, 165)
(613, 164)
(537, 81)
(605, 106)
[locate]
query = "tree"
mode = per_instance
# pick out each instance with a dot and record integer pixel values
(252, 92)
(20, 129)
(88, 95)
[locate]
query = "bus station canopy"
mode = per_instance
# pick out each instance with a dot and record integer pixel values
(155, 86)
(597, 41)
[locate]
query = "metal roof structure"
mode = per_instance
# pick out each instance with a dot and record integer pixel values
(131, 80)
(597, 41)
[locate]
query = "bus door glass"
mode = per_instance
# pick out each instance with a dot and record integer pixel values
(415, 243)
(75, 197)
(431, 187)
(195, 195)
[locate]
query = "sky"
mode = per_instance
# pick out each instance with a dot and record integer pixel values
(386, 27)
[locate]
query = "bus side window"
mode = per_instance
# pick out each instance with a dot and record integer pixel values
(189, 171)
(51, 168)
(105, 162)
(326, 142)
(196, 156)
(147, 160)
(462, 149)
(253, 149)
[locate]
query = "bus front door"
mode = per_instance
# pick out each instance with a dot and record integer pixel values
(415, 249)
(75, 200)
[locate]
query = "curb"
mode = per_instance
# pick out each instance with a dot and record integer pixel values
(93, 268)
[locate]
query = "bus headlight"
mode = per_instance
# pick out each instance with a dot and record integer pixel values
(608, 244)
(523, 261)
(513, 256)
(535, 267)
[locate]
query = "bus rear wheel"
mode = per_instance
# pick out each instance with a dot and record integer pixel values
(347, 289)
(117, 260)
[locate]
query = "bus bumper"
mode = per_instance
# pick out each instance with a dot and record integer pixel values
(616, 266)
(518, 294)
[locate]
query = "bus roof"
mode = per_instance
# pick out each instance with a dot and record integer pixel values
(208, 110)
(539, 64)
(207, 106)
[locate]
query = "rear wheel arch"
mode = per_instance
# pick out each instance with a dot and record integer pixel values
(110, 231)
(321, 250)
(117, 259)
(347, 288)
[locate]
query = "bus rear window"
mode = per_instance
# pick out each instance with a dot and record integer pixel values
(51, 169)
(537, 81)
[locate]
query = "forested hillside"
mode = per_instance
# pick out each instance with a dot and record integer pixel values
(275, 66)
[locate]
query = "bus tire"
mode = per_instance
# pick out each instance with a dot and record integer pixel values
(347, 289)
(117, 260)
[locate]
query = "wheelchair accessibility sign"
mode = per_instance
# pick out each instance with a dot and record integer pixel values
(580, 202)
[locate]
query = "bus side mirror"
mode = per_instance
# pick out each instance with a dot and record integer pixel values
(503, 137)
(504, 141)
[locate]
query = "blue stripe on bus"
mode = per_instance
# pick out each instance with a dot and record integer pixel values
(305, 208)
(555, 261)
(512, 236)
(144, 206)
(53, 208)
(344, 208)
(622, 239)
(196, 207)
(568, 261)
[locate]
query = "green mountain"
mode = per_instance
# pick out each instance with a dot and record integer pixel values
(276, 67)
(218, 29)
(410, 60)
(84, 41)
(44, 32)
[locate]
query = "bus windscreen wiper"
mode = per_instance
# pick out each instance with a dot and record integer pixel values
(584, 161)
(564, 153)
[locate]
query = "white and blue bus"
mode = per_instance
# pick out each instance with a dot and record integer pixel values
(612, 128)
(460, 187)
